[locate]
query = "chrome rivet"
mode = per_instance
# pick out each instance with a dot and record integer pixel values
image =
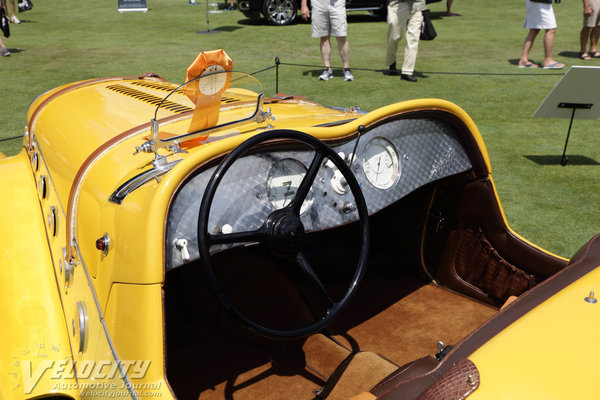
(470, 380)
(591, 299)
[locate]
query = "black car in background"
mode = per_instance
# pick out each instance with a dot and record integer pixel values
(284, 12)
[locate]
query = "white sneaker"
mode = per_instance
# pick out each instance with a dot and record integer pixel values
(326, 75)
(4, 52)
(348, 75)
(15, 20)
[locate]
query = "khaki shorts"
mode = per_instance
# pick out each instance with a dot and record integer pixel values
(328, 18)
(594, 19)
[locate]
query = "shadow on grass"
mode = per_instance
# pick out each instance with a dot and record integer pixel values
(228, 28)
(555, 160)
(515, 62)
(257, 22)
(570, 54)
(442, 14)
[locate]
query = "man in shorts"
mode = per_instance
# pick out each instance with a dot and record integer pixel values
(329, 19)
(591, 29)
(540, 15)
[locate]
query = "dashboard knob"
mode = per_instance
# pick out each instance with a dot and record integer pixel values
(348, 207)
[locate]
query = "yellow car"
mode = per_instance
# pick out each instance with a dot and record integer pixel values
(204, 241)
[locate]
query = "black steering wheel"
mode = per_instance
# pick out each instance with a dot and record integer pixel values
(283, 232)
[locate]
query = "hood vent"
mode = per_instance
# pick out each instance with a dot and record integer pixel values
(177, 108)
(150, 99)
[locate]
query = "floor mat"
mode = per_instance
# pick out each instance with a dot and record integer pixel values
(410, 328)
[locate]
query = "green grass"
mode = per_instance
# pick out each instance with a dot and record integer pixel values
(471, 63)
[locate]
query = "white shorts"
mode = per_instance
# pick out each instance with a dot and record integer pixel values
(328, 18)
(539, 16)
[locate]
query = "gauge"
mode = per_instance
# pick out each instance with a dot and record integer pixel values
(381, 163)
(283, 181)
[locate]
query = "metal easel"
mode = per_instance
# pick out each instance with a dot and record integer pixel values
(213, 10)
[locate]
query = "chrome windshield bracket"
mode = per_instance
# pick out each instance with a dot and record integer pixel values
(161, 167)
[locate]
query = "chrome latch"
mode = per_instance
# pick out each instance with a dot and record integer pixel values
(181, 245)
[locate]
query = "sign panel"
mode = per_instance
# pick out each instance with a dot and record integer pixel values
(132, 5)
(578, 89)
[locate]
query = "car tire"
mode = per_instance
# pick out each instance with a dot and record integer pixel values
(280, 12)
(381, 13)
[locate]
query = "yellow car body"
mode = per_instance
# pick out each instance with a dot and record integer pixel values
(87, 250)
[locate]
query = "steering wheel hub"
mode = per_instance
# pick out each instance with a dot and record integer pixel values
(287, 232)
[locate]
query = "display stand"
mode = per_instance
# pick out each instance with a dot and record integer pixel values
(132, 5)
(576, 95)
(208, 12)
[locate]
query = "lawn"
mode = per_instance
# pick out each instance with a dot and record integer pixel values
(472, 62)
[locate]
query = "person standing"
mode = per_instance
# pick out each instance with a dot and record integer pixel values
(590, 29)
(328, 18)
(539, 15)
(404, 14)
(3, 50)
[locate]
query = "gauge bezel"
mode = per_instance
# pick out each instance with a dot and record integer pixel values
(291, 164)
(395, 159)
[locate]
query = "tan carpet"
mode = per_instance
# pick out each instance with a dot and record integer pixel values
(410, 329)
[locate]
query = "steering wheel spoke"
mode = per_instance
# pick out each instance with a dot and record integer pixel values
(307, 182)
(258, 235)
(314, 279)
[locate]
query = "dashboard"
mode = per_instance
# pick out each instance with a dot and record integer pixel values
(390, 161)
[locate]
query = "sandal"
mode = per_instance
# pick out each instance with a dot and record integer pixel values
(585, 56)
(595, 54)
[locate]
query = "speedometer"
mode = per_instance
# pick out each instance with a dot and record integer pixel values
(283, 181)
(380, 163)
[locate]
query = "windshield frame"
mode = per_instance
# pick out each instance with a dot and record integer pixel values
(258, 115)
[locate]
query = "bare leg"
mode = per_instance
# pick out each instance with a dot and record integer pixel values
(527, 46)
(326, 51)
(344, 50)
(583, 38)
(548, 44)
(449, 13)
(594, 39)
(12, 7)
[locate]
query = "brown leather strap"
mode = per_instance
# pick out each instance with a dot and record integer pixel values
(455, 384)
